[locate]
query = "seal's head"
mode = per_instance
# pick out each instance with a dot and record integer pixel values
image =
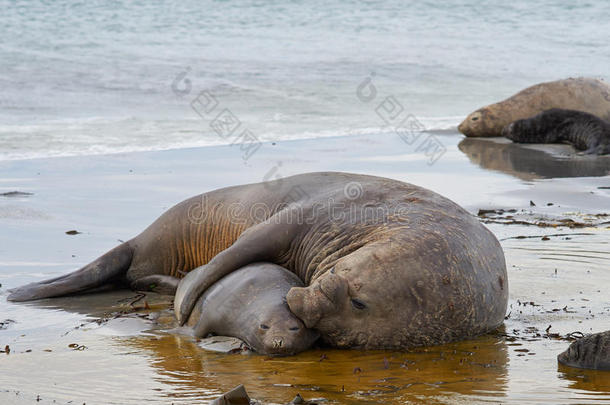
(509, 130)
(250, 304)
(362, 302)
(524, 131)
(482, 122)
(407, 289)
(355, 304)
(280, 333)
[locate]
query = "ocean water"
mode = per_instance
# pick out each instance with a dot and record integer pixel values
(91, 77)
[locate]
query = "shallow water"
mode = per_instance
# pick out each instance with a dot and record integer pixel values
(134, 359)
(130, 360)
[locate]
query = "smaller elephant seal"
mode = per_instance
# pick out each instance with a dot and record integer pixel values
(582, 130)
(592, 351)
(582, 94)
(250, 304)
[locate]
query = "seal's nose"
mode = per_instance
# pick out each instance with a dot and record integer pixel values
(278, 342)
(308, 304)
(462, 126)
(276, 345)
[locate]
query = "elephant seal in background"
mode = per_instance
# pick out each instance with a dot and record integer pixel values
(387, 265)
(592, 351)
(582, 94)
(582, 130)
(250, 304)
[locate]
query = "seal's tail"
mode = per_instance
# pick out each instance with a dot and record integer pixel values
(105, 269)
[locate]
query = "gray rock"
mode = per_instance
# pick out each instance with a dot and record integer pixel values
(237, 396)
(592, 351)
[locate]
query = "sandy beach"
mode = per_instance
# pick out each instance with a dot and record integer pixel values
(549, 208)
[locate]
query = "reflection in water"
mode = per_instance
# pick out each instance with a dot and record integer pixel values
(527, 163)
(595, 381)
(474, 369)
(99, 304)
(139, 358)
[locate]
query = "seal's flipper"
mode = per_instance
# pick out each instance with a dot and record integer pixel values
(103, 270)
(262, 242)
(591, 151)
(586, 133)
(203, 328)
(160, 284)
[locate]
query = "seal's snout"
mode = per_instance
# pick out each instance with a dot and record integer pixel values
(462, 127)
(468, 126)
(300, 302)
(277, 342)
(277, 345)
(321, 298)
(285, 341)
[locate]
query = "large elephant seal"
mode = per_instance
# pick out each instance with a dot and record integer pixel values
(582, 130)
(582, 94)
(250, 304)
(592, 351)
(387, 264)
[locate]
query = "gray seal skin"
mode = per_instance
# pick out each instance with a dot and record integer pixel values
(592, 351)
(386, 264)
(582, 130)
(250, 304)
(582, 94)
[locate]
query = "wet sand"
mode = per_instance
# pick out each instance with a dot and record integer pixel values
(108, 349)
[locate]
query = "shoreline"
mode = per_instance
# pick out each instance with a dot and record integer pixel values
(183, 134)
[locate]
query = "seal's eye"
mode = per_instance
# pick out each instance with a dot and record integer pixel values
(263, 326)
(332, 270)
(358, 304)
(475, 118)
